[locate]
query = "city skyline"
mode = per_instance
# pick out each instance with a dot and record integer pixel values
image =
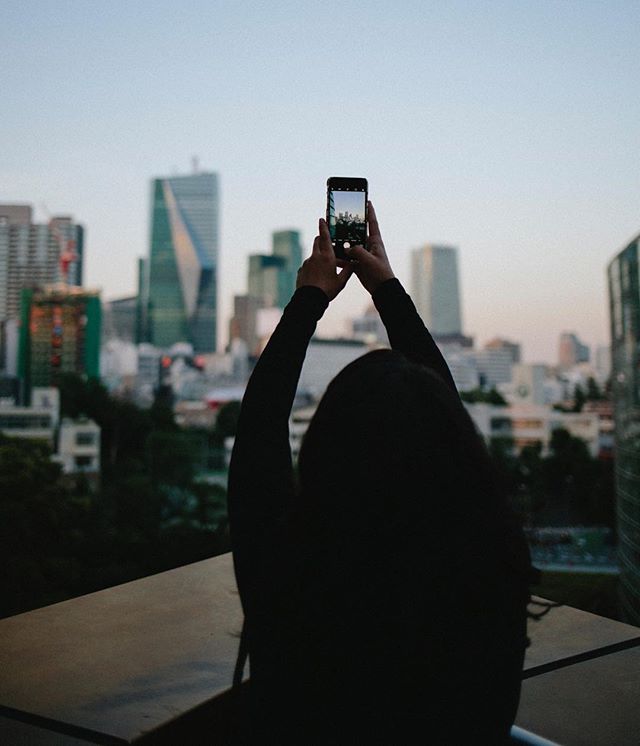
(514, 139)
(349, 202)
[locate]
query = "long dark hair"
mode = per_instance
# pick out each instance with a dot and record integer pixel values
(392, 464)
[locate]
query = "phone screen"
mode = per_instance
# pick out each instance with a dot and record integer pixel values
(346, 216)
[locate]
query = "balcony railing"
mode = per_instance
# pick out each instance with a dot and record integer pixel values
(150, 662)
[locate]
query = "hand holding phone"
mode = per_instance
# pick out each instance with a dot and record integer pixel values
(347, 199)
(319, 270)
(372, 267)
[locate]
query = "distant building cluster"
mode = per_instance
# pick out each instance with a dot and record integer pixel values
(161, 341)
(271, 282)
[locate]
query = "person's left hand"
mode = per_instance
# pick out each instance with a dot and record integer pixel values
(320, 268)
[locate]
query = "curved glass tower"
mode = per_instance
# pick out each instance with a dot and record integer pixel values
(624, 304)
(182, 288)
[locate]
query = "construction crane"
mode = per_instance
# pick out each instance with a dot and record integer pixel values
(66, 245)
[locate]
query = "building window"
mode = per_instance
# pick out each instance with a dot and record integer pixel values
(82, 462)
(85, 439)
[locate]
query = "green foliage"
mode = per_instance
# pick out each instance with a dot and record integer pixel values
(479, 395)
(226, 422)
(566, 487)
(151, 512)
(594, 392)
(579, 399)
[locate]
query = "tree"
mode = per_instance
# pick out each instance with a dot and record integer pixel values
(594, 392)
(479, 395)
(579, 398)
(42, 525)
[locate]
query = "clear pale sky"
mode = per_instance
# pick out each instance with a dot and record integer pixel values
(508, 129)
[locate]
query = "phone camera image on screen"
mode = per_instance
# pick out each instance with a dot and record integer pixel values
(347, 218)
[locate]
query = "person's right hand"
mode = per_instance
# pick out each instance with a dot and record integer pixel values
(372, 267)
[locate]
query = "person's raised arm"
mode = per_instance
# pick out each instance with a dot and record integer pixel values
(260, 473)
(404, 326)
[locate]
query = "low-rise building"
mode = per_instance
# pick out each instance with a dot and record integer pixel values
(78, 449)
(75, 444)
(530, 424)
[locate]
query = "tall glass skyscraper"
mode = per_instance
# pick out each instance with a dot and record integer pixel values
(624, 305)
(183, 259)
(287, 244)
(435, 288)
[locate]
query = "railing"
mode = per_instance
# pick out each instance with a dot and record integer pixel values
(150, 662)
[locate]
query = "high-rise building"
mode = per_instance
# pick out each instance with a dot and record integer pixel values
(181, 296)
(435, 289)
(624, 306)
(287, 244)
(243, 323)
(59, 333)
(120, 319)
(571, 351)
(495, 366)
(267, 279)
(34, 254)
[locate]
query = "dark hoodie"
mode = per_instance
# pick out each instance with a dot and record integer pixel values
(385, 593)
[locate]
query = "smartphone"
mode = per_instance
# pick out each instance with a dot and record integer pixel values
(347, 213)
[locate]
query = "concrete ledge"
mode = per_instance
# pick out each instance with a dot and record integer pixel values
(151, 662)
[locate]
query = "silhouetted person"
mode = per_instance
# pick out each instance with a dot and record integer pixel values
(385, 586)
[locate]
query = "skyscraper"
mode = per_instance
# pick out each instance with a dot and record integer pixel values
(59, 333)
(435, 289)
(33, 254)
(183, 260)
(287, 244)
(267, 279)
(624, 306)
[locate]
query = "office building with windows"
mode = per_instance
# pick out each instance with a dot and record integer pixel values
(59, 333)
(435, 289)
(571, 351)
(31, 255)
(287, 244)
(181, 278)
(267, 279)
(624, 306)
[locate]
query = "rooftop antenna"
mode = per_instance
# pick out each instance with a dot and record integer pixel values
(195, 164)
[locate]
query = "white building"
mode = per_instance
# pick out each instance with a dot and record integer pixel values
(435, 288)
(75, 443)
(369, 327)
(528, 385)
(463, 366)
(79, 447)
(528, 424)
(38, 422)
(495, 366)
(325, 359)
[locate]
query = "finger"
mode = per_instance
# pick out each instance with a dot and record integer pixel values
(342, 262)
(374, 228)
(316, 245)
(376, 247)
(325, 236)
(359, 254)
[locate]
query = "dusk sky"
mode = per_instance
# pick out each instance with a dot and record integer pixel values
(507, 129)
